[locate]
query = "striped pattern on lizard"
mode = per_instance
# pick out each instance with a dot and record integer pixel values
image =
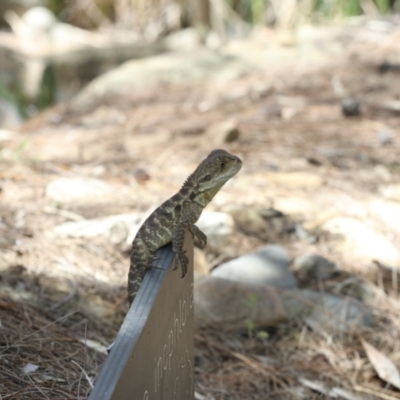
(169, 221)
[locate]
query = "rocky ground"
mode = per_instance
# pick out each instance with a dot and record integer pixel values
(311, 224)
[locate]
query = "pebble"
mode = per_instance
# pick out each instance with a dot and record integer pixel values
(350, 107)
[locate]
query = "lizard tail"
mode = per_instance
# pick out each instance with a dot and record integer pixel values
(138, 268)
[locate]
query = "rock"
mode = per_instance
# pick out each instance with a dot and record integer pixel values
(325, 312)
(66, 190)
(174, 67)
(350, 107)
(224, 132)
(362, 243)
(387, 212)
(296, 179)
(201, 267)
(315, 266)
(392, 192)
(249, 220)
(118, 228)
(266, 224)
(217, 226)
(385, 137)
(336, 315)
(227, 305)
(267, 266)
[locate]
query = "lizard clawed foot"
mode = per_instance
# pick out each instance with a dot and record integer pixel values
(196, 232)
(183, 260)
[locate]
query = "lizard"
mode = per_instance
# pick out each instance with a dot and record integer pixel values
(169, 221)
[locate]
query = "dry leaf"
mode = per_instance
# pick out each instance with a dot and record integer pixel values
(383, 366)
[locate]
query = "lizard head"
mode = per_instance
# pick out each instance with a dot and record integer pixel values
(213, 173)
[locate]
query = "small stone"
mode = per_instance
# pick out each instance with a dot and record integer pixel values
(224, 132)
(217, 226)
(267, 266)
(385, 137)
(350, 107)
(141, 175)
(315, 266)
(227, 305)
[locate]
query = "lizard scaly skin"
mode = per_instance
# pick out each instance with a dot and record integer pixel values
(169, 222)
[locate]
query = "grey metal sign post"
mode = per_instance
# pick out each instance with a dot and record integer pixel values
(152, 357)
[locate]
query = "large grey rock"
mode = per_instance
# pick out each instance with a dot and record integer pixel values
(360, 242)
(227, 305)
(267, 266)
(174, 67)
(218, 227)
(325, 312)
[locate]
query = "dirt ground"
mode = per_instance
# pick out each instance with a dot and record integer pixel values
(57, 293)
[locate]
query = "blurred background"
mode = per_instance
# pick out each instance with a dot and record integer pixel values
(50, 49)
(107, 106)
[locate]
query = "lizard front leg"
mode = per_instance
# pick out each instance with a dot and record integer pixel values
(189, 217)
(177, 247)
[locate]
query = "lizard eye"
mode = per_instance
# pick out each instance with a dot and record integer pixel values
(207, 177)
(222, 164)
